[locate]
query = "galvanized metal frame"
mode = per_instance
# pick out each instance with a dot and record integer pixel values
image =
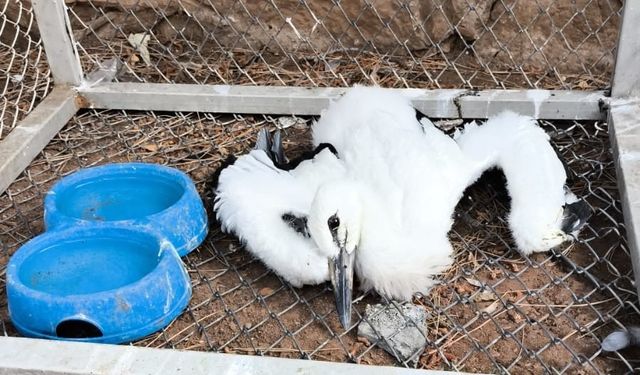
(543, 104)
(32, 134)
(626, 75)
(28, 356)
(57, 37)
(624, 127)
(72, 93)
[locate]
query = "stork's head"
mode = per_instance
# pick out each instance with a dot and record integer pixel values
(335, 220)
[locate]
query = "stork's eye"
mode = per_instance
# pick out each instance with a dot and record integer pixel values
(334, 223)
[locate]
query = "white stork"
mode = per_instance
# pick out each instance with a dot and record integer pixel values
(377, 197)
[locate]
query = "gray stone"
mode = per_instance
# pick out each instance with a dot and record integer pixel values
(397, 328)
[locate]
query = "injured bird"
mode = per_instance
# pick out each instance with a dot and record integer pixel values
(376, 197)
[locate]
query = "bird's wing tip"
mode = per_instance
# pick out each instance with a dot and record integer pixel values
(276, 148)
(263, 142)
(575, 216)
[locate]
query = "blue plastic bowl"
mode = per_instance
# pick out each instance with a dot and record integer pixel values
(103, 283)
(159, 198)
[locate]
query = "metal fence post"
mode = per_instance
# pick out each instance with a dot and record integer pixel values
(55, 30)
(33, 133)
(624, 116)
(626, 76)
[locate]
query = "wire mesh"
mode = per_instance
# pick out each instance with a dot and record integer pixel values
(398, 43)
(24, 74)
(494, 311)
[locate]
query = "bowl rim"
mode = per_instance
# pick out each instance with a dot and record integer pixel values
(86, 174)
(166, 254)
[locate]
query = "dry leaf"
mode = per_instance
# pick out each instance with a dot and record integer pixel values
(491, 308)
(463, 288)
(485, 295)
(152, 147)
(265, 291)
(514, 295)
(515, 317)
(472, 259)
(363, 340)
(493, 274)
(583, 85)
(288, 121)
(354, 349)
(474, 282)
(140, 42)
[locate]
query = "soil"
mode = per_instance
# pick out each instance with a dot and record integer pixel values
(494, 311)
(543, 36)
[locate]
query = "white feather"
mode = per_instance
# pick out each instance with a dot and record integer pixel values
(394, 189)
(535, 176)
(252, 196)
(408, 181)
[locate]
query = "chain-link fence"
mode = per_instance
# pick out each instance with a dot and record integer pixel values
(398, 43)
(24, 74)
(494, 311)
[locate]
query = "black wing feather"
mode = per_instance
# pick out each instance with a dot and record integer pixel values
(297, 223)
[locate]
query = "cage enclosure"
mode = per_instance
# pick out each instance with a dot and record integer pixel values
(186, 83)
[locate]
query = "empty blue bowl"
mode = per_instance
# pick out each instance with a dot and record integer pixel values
(102, 283)
(159, 198)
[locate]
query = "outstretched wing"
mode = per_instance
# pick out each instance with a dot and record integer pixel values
(266, 207)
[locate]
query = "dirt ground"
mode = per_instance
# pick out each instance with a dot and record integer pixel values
(494, 311)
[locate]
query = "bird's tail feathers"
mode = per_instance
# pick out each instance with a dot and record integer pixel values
(263, 142)
(272, 146)
(277, 151)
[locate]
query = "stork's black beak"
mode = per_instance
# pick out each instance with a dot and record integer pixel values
(341, 271)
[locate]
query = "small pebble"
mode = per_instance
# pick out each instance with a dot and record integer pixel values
(364, 341)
